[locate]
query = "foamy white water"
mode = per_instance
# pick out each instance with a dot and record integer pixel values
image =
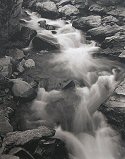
(90, 137)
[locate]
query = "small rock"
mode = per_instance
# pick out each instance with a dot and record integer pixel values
(16, 54)
(45, 42)
(86, 23)
(42, 24)
(22, 90)
(69, 10)
(95, 8)
(29, 63)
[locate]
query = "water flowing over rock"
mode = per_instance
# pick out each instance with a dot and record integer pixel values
(45, 42)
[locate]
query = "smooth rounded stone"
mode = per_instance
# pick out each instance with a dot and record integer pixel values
(109, 20)
(45, 42)
(22, 138)
(86, 23)
(47, 9)
(8, 157)
(29, 63)
(22, 90)
(101, 32)
(68, 10)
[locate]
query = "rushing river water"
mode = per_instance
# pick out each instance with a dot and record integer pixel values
(87, 135)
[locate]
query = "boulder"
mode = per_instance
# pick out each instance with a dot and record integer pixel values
(117, 12)
(16, 54)
(116, 41)
(43, 25)
(51, 148)
(86, 23)
(47, 9)
(101, 32)
(98, 9)
(23, 91)
(27, 139)
(68, 10)
(45, 42)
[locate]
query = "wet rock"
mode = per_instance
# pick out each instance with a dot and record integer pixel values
(51, 148)
(71, 84)
(6, 66)
(45, 42)
(20, 152)
(8, 157)
(5, 126)
(47, 10)
(108, 2)
(101, 32)
(68, 10)
(29, 63)
(42, 24)
(86, 23)
(23, 91)
(27, 139)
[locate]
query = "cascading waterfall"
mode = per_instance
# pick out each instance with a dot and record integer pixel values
(89, 136)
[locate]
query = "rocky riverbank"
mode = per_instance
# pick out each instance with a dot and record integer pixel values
(22, 69)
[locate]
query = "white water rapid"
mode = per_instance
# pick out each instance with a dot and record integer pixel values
(86, 134)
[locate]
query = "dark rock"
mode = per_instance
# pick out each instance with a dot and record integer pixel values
(47, 10)
(8, 157)
(16, 54)
(42, 24)
(86, 23)
(45, 42)
(27, 139)
(9, 19)
(101, 32)
(69, 10)
(117, 12)
(54, 32)
(71, 84)
(20, 152)
(108, 2)
(23, 91)
(51, 148)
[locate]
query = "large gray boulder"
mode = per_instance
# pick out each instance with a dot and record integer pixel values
(47, 9)
(86, 23)
(9, 19)
(68, 10)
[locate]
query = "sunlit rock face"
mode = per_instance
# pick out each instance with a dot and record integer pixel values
(9, 19)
